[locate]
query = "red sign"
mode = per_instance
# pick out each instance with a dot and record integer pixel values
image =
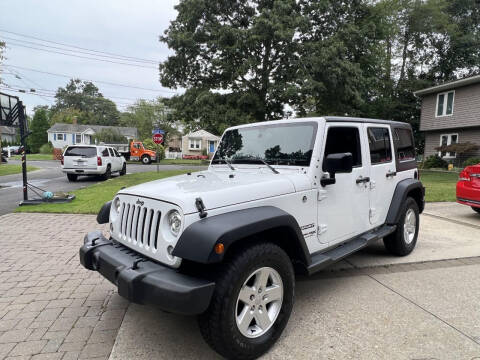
(158, 138)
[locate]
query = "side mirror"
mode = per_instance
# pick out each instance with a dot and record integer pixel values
(337, 163)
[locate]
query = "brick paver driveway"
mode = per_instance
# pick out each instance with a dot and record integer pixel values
(50, 306)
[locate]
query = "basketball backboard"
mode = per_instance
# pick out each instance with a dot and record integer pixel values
(8, 110)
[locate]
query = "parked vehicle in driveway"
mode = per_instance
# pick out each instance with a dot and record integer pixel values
(468, 187)
(135, 151)
(279, 198)
(79, 160)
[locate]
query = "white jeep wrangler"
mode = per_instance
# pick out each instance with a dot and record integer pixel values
(279, 198)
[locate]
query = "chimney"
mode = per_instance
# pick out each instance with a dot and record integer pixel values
(74, 120)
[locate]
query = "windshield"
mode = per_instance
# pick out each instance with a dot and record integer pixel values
(82, 151)
(277, 144)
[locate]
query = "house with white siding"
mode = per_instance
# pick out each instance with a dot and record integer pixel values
(61, 135)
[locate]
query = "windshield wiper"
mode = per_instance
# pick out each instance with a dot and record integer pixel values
(226, 161)
(261, 160)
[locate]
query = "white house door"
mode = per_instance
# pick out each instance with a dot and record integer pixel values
(382, 171)
(343, 206)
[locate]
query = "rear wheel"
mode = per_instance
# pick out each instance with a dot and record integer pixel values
(253, 299)
(124, 169)
(72, 177)
(146, 159)
(108, 173)
(403, 240)
(476, 209)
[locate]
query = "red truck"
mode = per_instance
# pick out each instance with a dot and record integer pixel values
(135, 151)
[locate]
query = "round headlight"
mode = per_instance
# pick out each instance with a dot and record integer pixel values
(116, 205)
(175, 222)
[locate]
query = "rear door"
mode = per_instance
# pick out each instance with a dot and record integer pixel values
(115, 161)
(343, 206)
(382, 171)
(80, 157)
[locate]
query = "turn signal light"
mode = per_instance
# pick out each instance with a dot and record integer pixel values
(219, 248)
(99, 161)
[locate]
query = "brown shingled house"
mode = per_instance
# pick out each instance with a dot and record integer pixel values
(451, 114)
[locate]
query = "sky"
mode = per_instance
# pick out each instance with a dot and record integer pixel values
(120, 27)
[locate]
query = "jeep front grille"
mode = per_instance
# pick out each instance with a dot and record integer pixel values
(139, 224)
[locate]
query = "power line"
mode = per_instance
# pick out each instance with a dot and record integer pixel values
(97, 81)
(73, 46)
(75, 51)
(84, 57)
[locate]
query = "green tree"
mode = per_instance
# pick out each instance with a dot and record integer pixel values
(84, 97)
(146, 115)
(38, 128)
(247, 49)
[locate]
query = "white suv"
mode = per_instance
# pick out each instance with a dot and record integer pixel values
(279, 198)
(92, 160)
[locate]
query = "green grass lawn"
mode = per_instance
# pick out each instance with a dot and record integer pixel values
(89, 200)
(9, 169)
(177, 162)
(34, 157)
(439, 186)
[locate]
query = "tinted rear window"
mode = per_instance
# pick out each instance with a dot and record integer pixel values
(404, 145)
(82, 151)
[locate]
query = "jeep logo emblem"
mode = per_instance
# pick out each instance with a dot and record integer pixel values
(139, 202)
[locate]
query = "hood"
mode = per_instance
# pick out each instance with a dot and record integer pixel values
(217, 188)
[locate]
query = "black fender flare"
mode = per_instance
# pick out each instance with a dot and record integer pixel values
(198, 240)
(402, 190)
(103, 216)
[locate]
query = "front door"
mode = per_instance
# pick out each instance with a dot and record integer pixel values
(382, 171)
(343, 206)
(212, 147)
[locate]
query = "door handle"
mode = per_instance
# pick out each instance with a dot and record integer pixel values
(391, 174)
(362, 179)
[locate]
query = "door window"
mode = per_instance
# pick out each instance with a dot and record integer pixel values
(379, 144)
(116, 153)
(344, 139)
(105, 152)
(111, 152)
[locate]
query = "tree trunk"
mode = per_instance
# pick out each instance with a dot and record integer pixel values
(406, 39)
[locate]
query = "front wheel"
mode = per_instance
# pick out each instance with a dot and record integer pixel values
(253, 299)
(403, 240)
(146, 159)
(476, 209)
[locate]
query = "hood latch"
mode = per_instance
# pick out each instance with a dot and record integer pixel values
(200, 207)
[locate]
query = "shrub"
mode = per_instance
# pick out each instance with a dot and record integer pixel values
(435, 161)
(46, 148)
(150, 145)
(471, 161)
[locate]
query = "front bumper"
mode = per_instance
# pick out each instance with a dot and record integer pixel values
(145, 282)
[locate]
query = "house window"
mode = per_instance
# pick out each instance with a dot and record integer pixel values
(78, 138)
(60, 137)
(445, 103)
(445, 140)
(194, 144)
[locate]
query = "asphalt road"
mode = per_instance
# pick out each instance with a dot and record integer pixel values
(51, 178)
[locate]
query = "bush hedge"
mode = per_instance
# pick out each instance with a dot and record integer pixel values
(435, 161)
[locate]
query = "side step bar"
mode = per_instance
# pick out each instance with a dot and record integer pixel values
(322, 260)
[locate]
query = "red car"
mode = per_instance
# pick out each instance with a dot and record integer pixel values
(468, 187)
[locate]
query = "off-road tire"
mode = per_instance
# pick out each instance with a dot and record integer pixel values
(218, 325)
(146, 159)
(124, 170)
(108, 173)
(72, 177)
(476, 209)
(395, 243)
